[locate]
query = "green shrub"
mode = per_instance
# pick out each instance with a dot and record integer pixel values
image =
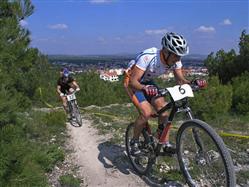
(26, 151)
(95, 91)
(30, 175)
(69, 181)
(215, 100)
(55, 121)
(17, 168)
(241, 93)
(48, 157)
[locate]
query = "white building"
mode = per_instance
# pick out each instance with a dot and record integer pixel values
(109, 76)
(118, 71)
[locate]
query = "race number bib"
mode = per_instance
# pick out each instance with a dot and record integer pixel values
(71, 97)
(180, 91)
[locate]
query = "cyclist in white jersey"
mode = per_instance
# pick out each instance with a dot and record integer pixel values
(141, 89)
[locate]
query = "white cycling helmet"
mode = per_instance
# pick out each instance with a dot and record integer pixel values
(175, 43)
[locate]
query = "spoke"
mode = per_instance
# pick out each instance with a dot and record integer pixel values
(141, 161)
(201, 158)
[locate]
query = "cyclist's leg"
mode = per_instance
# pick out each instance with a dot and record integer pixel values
(158, 103)
(64, 103)
(145, 111)
(143, 106)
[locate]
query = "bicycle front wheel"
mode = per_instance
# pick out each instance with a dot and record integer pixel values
(70, 108)
(76, 113)
(203, 156)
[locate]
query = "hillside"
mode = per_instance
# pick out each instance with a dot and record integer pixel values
(112, 120)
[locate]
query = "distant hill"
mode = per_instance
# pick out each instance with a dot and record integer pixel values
(195, 56)
(118, 60)
(118, 56)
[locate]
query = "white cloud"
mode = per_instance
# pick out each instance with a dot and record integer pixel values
(226, 22)
(101, 40)
(118, 38)
(205, 29)
(23, 23)
(155, 31)
(100, 1)
(59, 26)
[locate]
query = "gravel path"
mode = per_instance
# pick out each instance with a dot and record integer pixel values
(100, 163)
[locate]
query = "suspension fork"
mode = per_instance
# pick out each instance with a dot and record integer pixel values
(195, 132)
(70, 107)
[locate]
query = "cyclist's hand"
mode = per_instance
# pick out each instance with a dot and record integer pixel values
(150, 90)
(201, 83)
(62, 94)
(71, 90)
(77, 89)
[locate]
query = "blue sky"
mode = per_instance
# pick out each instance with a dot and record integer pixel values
(87, 27)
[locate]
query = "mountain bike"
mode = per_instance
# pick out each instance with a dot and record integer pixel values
(203, 157)
(74, 108)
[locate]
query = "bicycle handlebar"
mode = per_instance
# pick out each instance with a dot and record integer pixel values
(164, 91)
(72, 92)
(169, 105)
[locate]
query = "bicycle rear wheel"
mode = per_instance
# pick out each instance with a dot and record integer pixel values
(203, 156)
(142, 163)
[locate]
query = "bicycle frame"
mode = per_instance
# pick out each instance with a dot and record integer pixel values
(71, 99)
(183, 107)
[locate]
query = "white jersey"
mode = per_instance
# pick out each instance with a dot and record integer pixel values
(149, 61)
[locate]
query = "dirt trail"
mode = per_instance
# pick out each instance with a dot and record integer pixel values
(100, 163)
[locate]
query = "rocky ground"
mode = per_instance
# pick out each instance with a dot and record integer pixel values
(91, 158)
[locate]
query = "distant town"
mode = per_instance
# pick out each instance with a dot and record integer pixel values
(110, 67)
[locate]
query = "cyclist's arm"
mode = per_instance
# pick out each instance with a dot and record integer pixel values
(180, 79)
(75, 84)
(58, 89)
(136, 76)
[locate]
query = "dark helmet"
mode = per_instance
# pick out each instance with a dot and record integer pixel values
(66, 72)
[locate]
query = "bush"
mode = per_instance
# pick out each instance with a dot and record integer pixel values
(55, 121)
(241, 93)
(26, 150)
(215, 100)
(30, 175)
(49, 157)
(69, 181)
(17, 168)
(95, 91)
